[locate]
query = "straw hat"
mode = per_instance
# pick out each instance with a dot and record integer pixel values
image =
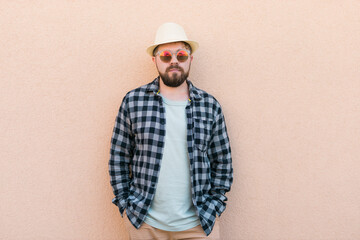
(168, 33)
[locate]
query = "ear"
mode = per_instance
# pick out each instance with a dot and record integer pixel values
(153, 59)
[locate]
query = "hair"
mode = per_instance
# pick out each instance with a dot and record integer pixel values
(187, 46)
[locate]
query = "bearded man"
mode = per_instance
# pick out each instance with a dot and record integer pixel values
(170, 159)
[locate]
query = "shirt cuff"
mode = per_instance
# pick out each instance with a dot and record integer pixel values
(219, 207)
(121, 204)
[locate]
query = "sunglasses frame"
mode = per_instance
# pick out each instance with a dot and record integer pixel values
(172, 54)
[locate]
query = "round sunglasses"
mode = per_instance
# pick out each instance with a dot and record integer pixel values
(181, 55)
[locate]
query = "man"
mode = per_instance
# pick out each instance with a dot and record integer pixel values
(170, 159)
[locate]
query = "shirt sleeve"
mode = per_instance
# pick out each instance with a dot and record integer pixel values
(121, 153)
(219, 153)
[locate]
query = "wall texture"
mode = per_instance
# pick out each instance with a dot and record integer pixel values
(287, 74)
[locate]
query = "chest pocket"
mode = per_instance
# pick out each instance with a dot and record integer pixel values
(202, 133)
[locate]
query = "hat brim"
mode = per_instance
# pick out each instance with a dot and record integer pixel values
(194, 46)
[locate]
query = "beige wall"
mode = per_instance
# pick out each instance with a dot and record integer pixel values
(286, 73)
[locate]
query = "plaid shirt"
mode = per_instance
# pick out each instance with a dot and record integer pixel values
(137, 146)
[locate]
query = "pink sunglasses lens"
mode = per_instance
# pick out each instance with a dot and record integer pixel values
(182, 56)
(165, 56)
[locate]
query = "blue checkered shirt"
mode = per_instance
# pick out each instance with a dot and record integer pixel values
(137, 146)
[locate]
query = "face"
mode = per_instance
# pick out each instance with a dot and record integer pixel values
(173, 73)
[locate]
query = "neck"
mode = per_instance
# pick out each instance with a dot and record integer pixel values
(175, 93)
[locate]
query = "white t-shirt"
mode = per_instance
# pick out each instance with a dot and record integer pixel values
(172, 208)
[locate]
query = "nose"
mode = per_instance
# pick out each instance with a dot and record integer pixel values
(174, 60)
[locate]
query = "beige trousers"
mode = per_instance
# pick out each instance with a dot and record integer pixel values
(147, 232)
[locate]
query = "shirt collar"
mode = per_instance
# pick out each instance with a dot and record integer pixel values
(193, 91)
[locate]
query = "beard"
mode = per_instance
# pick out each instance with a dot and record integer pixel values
(174, 79)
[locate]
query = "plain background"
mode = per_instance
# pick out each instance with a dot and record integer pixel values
(286, 73)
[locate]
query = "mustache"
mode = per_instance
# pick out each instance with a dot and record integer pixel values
(174, 67)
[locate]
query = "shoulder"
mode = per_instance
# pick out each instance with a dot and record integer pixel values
(205, 97)
(207, 100)
(139, 93)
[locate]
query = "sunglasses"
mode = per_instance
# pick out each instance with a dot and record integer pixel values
(181, 55)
